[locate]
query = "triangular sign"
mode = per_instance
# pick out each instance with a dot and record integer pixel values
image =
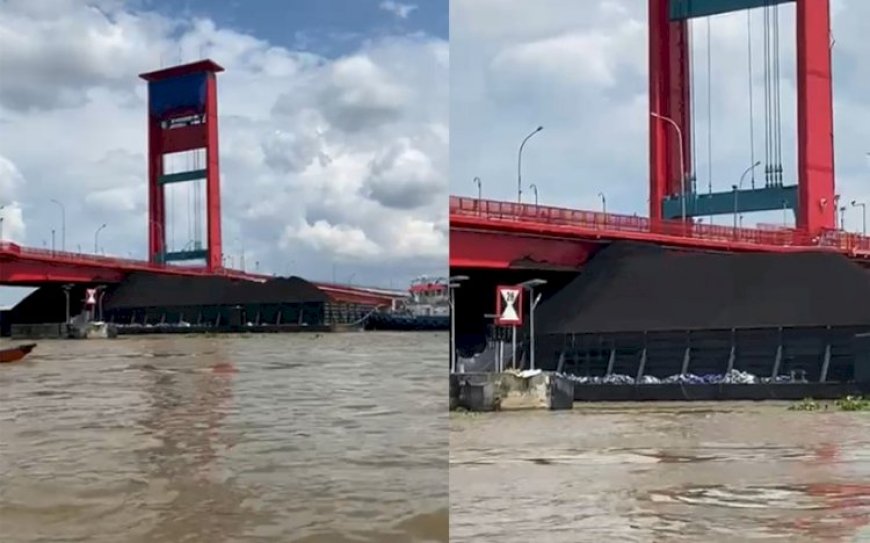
(509, 306)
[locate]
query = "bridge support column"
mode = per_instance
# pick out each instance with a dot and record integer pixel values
(182, 116)
(670, 97)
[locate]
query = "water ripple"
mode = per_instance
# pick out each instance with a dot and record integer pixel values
(277, 438)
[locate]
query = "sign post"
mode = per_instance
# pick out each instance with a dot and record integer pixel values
(509, 308)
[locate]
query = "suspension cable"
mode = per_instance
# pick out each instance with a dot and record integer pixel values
(692, 101)
(778, 98)
(751, 104)
(767, 135)
(709, 109)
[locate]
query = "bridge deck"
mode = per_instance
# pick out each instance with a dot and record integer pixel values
(473, 217)
(27, 266)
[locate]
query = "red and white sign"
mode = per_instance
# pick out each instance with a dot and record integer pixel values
(509, 306)
(91, 296)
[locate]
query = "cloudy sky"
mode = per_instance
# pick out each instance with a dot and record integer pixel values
(333, 126)
(579, 68)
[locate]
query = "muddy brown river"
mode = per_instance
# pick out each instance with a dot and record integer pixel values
(281, 438)
(661, 473)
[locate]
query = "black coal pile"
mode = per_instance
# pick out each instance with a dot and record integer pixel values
(630, 287)
(147, 290)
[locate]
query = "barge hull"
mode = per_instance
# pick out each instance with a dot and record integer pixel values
(717, 392)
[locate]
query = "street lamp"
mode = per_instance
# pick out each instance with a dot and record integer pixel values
(682, 160)
(843, 218)
(62, 224)
(734, 188)
(520, 165)
(603, 202)
(749, 169)
(534, 188)
(452, 284)
(1, 222)
(97, 238)
(533, 303)
(863, 207)
(479, 184)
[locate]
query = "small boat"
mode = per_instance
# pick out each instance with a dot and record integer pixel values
(16, 353)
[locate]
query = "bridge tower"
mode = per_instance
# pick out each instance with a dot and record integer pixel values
(812, 197)
(182, 116)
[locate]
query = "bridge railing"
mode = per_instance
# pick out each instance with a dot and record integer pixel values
(90, 259)
(610, 222)
(128, 264)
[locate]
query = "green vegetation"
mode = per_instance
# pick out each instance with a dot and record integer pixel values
(807, 404)
(849, 403)
(853, 403)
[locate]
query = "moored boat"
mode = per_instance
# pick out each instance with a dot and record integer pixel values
(426, 308)
(15, 354)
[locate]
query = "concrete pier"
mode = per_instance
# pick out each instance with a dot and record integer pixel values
(510, 391)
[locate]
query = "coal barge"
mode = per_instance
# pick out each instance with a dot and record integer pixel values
(148, 303)
(426, 308)
(646, 323)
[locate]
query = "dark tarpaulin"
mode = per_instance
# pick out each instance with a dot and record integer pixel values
(147, 290)
(629, 287)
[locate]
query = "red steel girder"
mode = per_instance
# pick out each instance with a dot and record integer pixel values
(470, 248)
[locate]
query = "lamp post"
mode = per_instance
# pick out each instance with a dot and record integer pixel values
(682, 160)
(62, 224)
(66, 289)
(749, 169)
(520, 165)
(603, 202)
(97, 238)
(533, 303)
(843, 218)
(479, 184)
(452, 284)
(534, 188)
(863, 206)
(1, 222)
(740, 186)
(734, 188)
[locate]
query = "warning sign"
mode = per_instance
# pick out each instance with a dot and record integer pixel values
(509, 306)
(91, 296)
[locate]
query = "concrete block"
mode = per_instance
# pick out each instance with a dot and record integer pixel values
(511, 391)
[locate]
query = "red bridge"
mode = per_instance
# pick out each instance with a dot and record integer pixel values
(29, 267)
(182, 118)
(487, 234)
(501, 235)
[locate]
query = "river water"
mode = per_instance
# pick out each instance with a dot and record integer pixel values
(290, 438)
(661, 473)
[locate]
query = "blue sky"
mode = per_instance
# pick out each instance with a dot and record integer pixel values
(334, 120)
(326, 27)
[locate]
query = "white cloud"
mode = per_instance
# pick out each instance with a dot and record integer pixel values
(340, 239)
(398, 9)
(322, 160)
(580, 70)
